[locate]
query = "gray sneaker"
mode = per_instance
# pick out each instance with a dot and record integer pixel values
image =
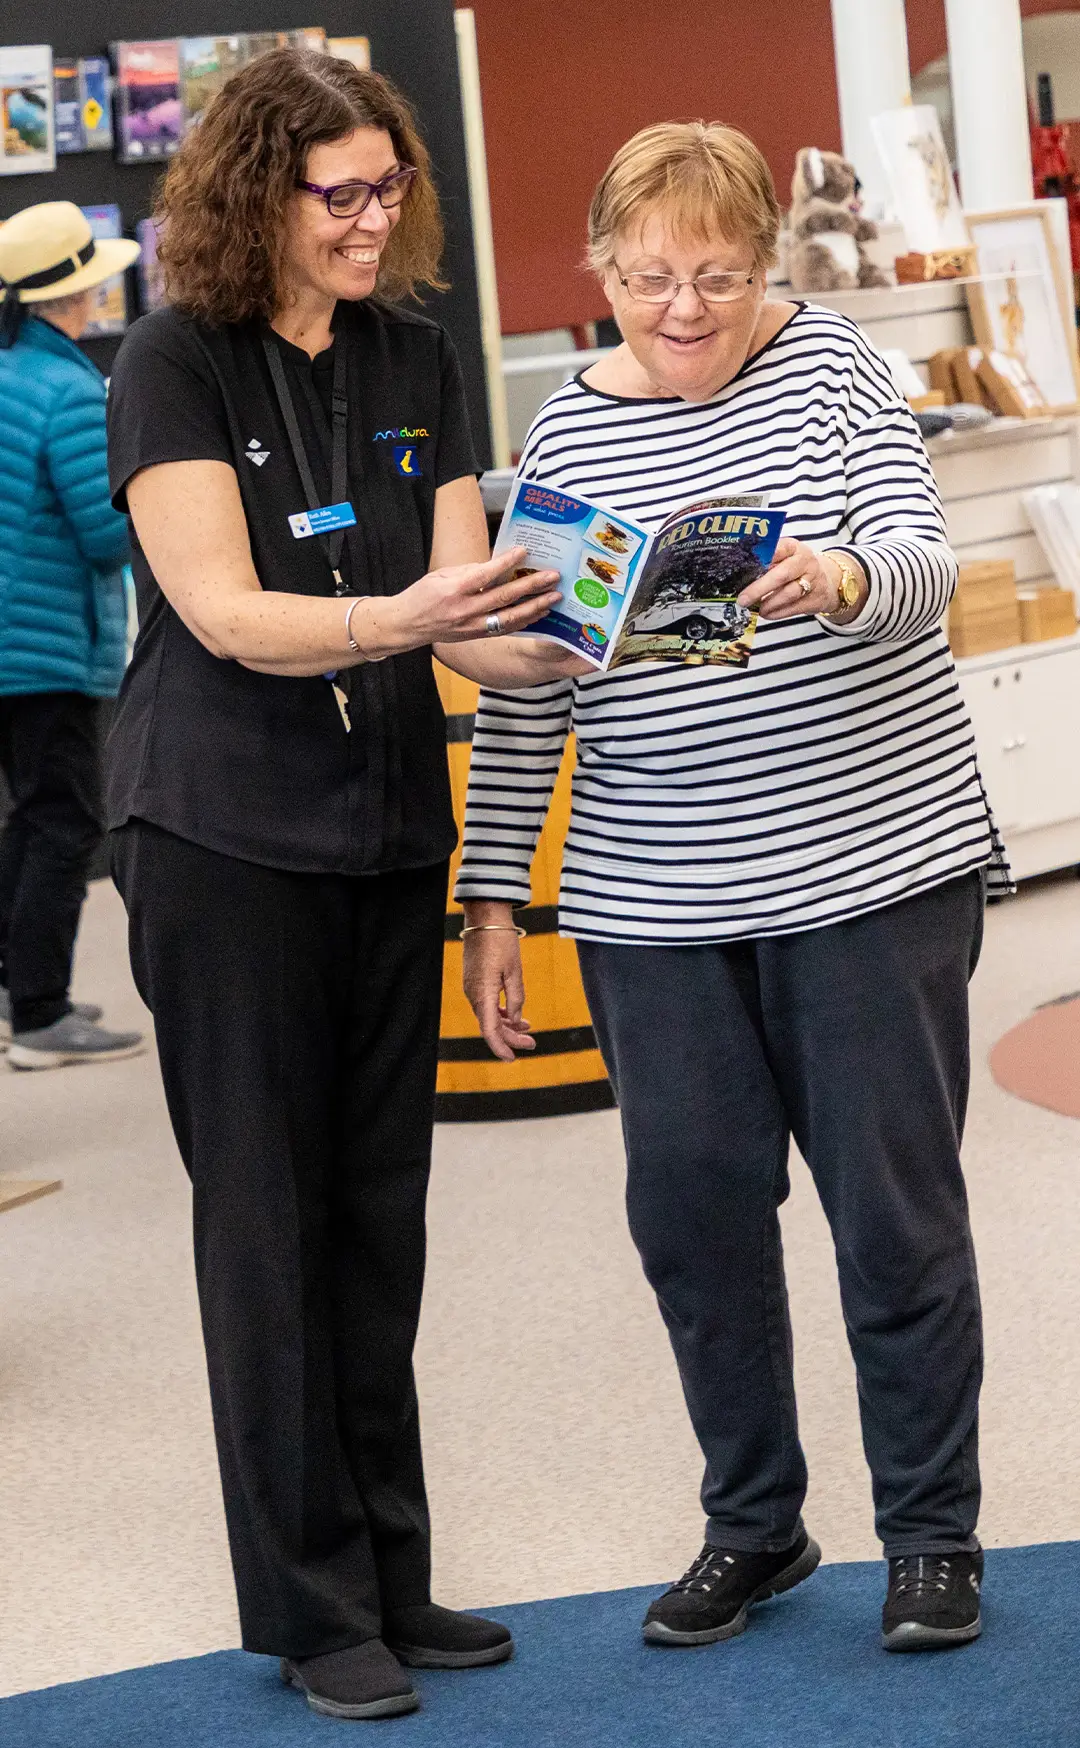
(72, 1039)
(87, 1010)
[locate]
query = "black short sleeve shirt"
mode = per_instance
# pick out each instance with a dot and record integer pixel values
(257, 765)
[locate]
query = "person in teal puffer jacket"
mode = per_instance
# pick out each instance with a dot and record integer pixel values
(63, 625)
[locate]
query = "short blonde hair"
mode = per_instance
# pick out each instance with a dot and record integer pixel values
(705, 178)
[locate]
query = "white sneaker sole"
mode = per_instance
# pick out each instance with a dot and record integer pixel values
(21, 1056)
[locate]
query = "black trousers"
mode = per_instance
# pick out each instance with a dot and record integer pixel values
(51, 759)
(297, 1020)
(854, 1039)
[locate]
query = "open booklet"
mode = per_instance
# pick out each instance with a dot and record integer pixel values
(631, 596)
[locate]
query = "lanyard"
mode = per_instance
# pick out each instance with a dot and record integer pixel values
(333, 542)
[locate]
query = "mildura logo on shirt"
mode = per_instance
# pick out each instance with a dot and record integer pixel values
(402, 434)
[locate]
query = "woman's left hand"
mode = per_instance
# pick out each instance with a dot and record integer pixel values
(798, 581)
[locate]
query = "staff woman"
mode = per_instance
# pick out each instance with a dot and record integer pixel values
(774, 876)
(293, 451)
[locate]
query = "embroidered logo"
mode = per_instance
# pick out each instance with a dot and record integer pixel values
(256, 453)
(405, 460)
(403, 434)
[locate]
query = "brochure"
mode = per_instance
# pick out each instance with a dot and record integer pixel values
(206, 63)
(356, 49)
(67, 106)
(110, 299)
(151, 273)
(26, 110)
(629, 596)
(95, 94)
(312, 37)
(263, 42)
(148, 115)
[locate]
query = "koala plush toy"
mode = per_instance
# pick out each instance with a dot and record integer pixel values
(827, 229)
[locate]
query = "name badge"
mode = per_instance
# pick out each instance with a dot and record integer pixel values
(308, 522)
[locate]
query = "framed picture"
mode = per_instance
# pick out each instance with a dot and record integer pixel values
(1023, 307)
(920, 181)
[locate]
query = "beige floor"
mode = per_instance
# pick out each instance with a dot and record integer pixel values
(558, 1452)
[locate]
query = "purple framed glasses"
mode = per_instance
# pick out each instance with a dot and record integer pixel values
(349, 199)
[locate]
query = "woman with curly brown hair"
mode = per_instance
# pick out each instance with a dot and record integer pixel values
(292, 449)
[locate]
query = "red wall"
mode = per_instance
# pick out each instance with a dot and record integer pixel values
(565, 82)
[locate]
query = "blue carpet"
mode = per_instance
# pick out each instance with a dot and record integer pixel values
(808, 1674)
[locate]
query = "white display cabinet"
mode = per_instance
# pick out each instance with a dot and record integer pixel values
(1025, 708)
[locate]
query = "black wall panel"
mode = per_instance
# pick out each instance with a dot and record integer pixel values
(412, 42)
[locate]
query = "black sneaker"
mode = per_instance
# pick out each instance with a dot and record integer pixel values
(712, 1600)
(364, 1681)
(933, 1601)
(429, 1637)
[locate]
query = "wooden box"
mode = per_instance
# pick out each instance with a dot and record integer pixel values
(1010, 386)
(942, 376)
(1046, 613)
(976, 631)
(985, 583)
(915, 268)
(964, 364)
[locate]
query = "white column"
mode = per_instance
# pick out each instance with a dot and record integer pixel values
(871, 49)
(986, 72)
(483, 239)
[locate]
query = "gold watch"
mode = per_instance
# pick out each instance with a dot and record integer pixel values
(849, 587)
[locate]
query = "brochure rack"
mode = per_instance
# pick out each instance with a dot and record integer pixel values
(414, 45)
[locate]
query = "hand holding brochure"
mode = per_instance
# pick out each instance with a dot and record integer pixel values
(629, 596)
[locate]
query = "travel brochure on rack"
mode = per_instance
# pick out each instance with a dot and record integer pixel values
(630, 596)
(139, 100)
(149, 120)
(110, 300)
(26, 110)
(159, 89)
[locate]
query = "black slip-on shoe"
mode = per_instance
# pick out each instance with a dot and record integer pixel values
(430, 1637)
(713, 1599)
(363, 1681)
(933, 1601)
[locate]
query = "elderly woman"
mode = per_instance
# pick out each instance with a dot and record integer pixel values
(775, 878)
(293, 451)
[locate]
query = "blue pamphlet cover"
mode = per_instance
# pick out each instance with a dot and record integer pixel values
(629, 596)
(67, 107)
(95, 96)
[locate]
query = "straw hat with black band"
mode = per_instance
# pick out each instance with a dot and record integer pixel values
(49, 251)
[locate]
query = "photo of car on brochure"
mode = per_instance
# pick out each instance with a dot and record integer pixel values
(629, 596)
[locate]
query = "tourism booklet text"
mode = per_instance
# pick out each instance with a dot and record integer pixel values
(631, 596)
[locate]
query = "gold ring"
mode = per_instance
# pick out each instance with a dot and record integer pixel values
(805, 585)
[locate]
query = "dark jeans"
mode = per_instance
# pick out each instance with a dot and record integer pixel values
(853, 1039)
(297, 1020)
(51, 758)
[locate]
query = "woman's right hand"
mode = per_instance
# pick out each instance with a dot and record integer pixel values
(453, 604)
(493, 979)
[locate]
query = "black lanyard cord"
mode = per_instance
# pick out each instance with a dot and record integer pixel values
(333, 543)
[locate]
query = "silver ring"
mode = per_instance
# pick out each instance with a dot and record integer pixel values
(805, 585)
(493, 625)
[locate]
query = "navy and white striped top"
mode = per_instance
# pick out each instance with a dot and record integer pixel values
(834, 774)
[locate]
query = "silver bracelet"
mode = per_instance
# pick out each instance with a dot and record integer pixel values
(353, 645)
(494, 929)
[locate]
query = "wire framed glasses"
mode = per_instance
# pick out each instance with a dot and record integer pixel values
(665, 288)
